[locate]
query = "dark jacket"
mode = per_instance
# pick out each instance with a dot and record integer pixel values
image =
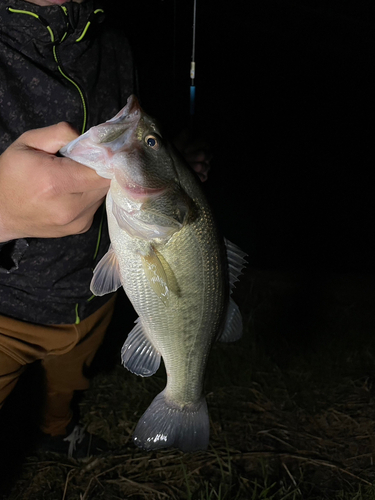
(57, 64)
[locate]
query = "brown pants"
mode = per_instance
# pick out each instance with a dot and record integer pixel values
(65, 350)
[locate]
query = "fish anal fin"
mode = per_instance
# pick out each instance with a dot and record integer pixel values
(232, 330)
(138, 354)
(106, 278)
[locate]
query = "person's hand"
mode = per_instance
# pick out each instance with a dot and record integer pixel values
(196, 152)
(43, 195)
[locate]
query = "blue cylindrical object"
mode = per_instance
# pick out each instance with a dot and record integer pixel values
(192, 99)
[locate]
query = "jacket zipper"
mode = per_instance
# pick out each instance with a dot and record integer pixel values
(84, 106)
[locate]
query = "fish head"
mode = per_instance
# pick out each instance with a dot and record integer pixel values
(130, 148)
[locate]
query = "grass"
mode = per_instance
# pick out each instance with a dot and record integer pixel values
(291, 406)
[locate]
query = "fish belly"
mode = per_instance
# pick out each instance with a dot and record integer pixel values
(183, 328)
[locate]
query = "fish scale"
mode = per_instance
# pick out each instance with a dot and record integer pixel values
(188, 314)
(168, 255)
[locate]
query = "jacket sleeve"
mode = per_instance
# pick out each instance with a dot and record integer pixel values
(11, 253)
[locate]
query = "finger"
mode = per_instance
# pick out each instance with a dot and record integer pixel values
(198, 156)
(77, 178)
(203, 176)
(200, 167)
(49, 139)
(72, 214)
(87, 201)
(83, 221)
(201, 170)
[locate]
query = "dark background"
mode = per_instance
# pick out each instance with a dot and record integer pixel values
(285, 97)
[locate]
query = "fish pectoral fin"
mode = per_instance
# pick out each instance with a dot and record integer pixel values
(236, 262)
(138, 354)
(171, 277)
(106, 277)
(156, 275)
(233, 324)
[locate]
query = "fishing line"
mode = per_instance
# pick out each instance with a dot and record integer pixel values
(174, 56)
(192, 66)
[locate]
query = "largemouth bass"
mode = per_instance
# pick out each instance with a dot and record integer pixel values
(174, 266)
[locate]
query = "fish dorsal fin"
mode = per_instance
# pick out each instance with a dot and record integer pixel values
(134, 226)
(138, 354)
(106, 277)
(156, 275)
(236, 262)
(232, 330)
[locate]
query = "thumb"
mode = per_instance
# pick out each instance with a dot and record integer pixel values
(49, 139)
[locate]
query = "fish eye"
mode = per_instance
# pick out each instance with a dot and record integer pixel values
(152, 141)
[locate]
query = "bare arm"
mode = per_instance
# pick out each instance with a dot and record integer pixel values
(42, 195)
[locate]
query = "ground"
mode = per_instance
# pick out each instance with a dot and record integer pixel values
(291, 405)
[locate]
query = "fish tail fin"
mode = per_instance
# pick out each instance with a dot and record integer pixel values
(164, 424)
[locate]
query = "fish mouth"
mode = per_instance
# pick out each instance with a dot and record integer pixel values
(140, 193)
(131, 109)
(135, 191)
(138, 187)
(116, 134)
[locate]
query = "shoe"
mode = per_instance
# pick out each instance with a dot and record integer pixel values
(76, 443)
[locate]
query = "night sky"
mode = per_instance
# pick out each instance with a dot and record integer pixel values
(285, 98)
